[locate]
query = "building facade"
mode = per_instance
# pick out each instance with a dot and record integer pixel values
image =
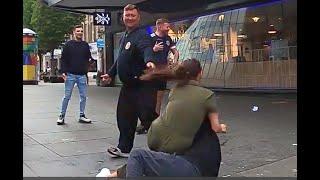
(90, 31)
(252, 47)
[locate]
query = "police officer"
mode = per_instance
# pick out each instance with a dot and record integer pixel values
(137, 98)
(163, 45)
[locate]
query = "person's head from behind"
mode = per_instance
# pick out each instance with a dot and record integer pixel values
(131, 16)
(163, 26)
(78, 32)
(187, 70)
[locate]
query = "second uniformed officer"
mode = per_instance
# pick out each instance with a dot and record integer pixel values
(137, 98)
(163, 45)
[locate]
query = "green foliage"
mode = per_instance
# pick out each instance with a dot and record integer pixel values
(50, 24)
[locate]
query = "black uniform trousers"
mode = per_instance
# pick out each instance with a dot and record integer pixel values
(134, 102)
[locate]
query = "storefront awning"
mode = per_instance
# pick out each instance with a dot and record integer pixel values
(148, 6)
(150, 9)
(89, 6)
(151, 6)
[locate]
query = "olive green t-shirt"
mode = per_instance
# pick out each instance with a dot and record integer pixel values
(174, 130)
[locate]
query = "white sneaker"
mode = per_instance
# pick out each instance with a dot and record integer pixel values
(60, 120)
(84, 119)
(105, 172)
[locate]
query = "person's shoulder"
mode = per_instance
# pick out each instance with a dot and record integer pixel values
(205, 92)
(70, 42)
(76, 42)
(142, 32)
(153, 35)
(85, 43)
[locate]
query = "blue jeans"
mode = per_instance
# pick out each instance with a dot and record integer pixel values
(150, 163)
(71, 80)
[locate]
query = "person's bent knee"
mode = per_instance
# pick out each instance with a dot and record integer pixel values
(137, 152)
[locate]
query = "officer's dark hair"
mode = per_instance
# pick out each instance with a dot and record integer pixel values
(161, 21)
(188, 70)
(129, 7)
(77, 26)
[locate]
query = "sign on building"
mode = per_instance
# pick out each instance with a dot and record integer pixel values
(100, 43)
(102, 19)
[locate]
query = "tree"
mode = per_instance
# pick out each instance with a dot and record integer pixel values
(27, 13)
(50, 24)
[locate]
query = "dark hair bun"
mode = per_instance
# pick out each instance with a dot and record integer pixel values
(180, 72)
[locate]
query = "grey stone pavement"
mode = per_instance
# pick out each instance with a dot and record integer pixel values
(258, 143)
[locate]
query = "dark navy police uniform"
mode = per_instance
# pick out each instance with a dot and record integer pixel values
(160, 57)
(137, 98)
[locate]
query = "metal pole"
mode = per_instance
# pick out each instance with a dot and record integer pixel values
(104, 69)
(109, 59)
